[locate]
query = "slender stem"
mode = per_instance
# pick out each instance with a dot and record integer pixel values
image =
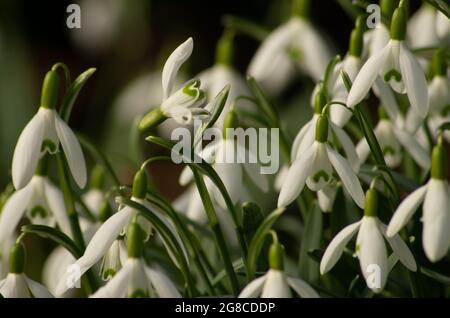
(215, 226)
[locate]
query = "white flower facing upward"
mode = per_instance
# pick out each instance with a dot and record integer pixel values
(370, 247)
(435, 195)
(182, 104)
(392, 138)
(135, 279)
(275, 283)
(42, 202)
(44, 133)
(17, 284)
(396, 65)
(272, 64)
(314, 165)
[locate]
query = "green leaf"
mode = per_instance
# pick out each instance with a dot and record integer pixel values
(311, 239)
(258, 241)
(217, 107)
(55, 235)
(435, 275)
(252, 218)
(263, 102)
(72, 93)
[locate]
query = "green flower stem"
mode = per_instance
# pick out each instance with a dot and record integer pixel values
(246, 27)
(215, 227)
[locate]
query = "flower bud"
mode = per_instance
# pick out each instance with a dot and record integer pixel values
(388, 7)
(276, 256)
(322, 129)
(231, 121)
(17, 257)
(135, 240)
(399, 23)
(139, 184)
(152, 119)
(301, 8)
(225, 49)
(439, 163)
(371, 203)
(320, 100)
(356, 42)
(50, 90)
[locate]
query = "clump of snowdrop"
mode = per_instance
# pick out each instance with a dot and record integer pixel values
(17, 284)
(43, 134)
(183, 104)
(385, 130)
(40, 200)
(314, 165)
(135, 279)
(370, 246)
(435, 195)
(397, 66)
(275, 283)
(272, 64)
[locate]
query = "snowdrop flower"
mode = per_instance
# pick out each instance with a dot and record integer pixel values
(222, 74)
(435, 196)
(182, 104)
(397, 66)
(370, 247)
(443, 28)
(45, 131)
(135, 279)
(103, 240)
(314, 166)
(17, 284)
(392, 137)
(272, 65)
(275, 283)
(378, 37)
(42, 202)
(422, 28)
(350, 65)
(232, 161)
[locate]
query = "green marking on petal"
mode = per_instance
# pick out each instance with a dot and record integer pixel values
(388, 150)
(38, 210)
(139, 293)
(49, 145)
(321, 174)
(393, 74)
(108, 273)
(446, 110)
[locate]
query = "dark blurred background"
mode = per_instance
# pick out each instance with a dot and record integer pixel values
(122, 39)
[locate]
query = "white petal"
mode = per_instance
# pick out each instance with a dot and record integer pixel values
(299, 138)
(254, 288)
(253, 170)
(13, 211)
(366, 76)
(173, 64)
(400, 249)
(348, 177)
(349, 147)
(117, 287)
(411, 145)
(336, 247)
(99, 244)
(326, 197)
(27, 151)
(276, 285)
(38, 290)
(387, 97)
(14, 286)
(406, 210)
(372, 254)
(296, 177)
(72, 151)
(415, 81)
(162, 284)
(302, 288)
(436, 220)
(363, 150)
(55, 202)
